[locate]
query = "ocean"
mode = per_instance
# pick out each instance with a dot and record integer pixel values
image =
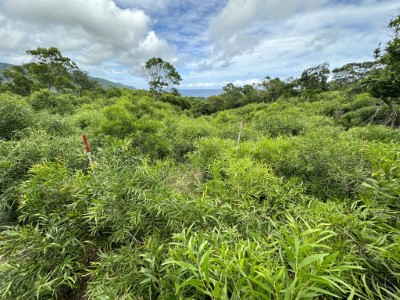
(200, 92)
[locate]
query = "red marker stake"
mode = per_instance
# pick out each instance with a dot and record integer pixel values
(85, 141)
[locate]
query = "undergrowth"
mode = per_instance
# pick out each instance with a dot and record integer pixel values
(304, 206)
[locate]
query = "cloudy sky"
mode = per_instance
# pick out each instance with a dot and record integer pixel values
(210, 42)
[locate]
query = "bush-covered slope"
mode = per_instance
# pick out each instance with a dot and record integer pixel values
(304, 206)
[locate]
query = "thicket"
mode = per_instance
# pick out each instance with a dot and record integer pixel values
(304, 206)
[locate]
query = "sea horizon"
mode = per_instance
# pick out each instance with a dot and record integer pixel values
(200, 92)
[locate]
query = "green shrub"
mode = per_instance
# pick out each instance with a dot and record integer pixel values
(383, 187)
(292, 263)
(377, 133)
(150, 137)
(178, 101)
(288, 122)
(44, 256)
(15, 115)
(360, 116)
(360, 101)
(17, 157)
(182, 133)
(54, 124)
(118, 122)
(330, 164)
(130, 272)
(53, 103)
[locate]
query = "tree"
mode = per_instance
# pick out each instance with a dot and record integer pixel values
(384, 83)
(50, 69)
(352, 73)
(17, 81)
(81, 82)
(160, 75)
(315, 79)
(275, 87)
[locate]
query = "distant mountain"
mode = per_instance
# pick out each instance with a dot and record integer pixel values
(107, 83)
(103, 82)
(4, 66)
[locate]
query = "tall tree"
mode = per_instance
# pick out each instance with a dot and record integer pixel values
(161, 75)
(50, 69)
(384, 83)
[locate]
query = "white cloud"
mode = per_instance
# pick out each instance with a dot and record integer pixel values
(92, 32)
(239, 26)
(147, 5)
(245, 26)
(218, 41)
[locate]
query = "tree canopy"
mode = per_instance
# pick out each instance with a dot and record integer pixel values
(49, 69)
(384, 83)
(315, 79)
(161, 75)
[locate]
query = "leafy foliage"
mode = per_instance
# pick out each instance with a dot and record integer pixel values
(15, 115)
(160, 75)
(48, 70)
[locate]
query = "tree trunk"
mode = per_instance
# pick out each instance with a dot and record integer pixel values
(393, 113)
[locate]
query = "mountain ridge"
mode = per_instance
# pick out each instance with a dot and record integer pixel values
(105, 83)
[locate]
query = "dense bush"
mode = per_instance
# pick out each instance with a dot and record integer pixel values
(53, 103)
(15, 115)
(45, 254)
(175, 206)
(375, 133)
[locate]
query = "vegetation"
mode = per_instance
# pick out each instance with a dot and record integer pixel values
(305, 206)
(160, 75)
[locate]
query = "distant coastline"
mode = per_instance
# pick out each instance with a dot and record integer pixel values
(200, 92)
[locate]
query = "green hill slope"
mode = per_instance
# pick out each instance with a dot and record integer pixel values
(174, 207)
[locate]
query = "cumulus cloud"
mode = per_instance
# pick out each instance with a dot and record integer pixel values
(218, 41)
(244, 25)
(92, 32)
(239, 26)
(148, 5)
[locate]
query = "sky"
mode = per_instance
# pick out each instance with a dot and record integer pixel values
(210, 42)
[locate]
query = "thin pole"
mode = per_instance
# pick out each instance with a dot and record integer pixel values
(240, 131)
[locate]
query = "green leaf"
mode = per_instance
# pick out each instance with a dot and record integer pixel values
(312, 258)
(180, 263)
(323, 291)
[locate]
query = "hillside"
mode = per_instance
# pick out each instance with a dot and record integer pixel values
(305, 204)
(107, 83)
(103, 82)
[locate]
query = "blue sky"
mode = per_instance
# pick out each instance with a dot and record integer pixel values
(211, 43)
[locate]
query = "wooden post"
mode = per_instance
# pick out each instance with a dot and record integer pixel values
(240, 131)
